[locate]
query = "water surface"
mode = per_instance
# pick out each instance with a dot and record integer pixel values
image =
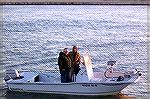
(33, 36)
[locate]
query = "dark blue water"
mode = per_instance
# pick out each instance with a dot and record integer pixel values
(33, 36)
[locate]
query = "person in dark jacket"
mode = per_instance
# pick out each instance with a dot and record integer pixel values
(75, 61)
(64, 63)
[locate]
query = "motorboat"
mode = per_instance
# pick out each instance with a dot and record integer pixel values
(88, 82)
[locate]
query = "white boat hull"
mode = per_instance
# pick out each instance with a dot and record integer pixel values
(69, 88)
(45, 83)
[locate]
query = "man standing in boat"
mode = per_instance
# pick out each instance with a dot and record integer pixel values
(75, 61)
(64, 63)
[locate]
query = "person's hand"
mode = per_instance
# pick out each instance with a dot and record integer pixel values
(63, 69)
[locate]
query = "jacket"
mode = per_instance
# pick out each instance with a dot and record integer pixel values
(64, 61)
(75, 59)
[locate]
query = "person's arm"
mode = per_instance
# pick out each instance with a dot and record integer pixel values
(78, 59)
(82, 60)
(59, 63)
(64, 63)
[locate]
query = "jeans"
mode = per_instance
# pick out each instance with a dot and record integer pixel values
(65, 76)
(73, 74)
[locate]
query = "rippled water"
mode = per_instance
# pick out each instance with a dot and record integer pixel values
(33, 36)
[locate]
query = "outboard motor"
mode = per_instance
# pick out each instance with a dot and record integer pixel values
(11, 74)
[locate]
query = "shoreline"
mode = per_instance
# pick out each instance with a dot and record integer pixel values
(69, 3)
(76, 2)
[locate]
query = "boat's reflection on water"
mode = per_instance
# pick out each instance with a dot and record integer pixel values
(21, 95)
